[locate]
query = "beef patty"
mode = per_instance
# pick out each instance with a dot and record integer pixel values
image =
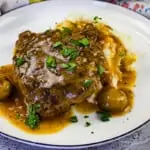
(59, 67)
(39, 83)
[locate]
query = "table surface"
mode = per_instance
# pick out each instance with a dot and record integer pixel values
(139, 140)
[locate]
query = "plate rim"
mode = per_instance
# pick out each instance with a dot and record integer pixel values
(95, 144)
(78, 146)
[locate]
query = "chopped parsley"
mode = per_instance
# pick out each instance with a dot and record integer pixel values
(87, 83)
(74, 55)
(87, 124)
(97, 19)
(122, 54)
(84, 42)
(71, 52)
(86, 116)
(51, 62)
(69, 66)
(57, 44)
(100, 69)
(19, 61)
(48, 32)
(66, 31)
(74, 119)
(75, 42)
(17, 115)
(37, 106)
(33, 119)
(104, 116)
(67, 51)
(65, 66)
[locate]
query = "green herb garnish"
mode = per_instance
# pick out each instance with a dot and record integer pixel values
(67, 51)
(69, 66)
(57, 44)
(75, 42)
(51, 62)
(65, 66)
(74, 55)
(17, 115)
(33, 119)
(100, 69)
(84, 42)
(87, 83)
(122, 54)
(66, 31)
(104, 116)
(48, 32)
(87, 124)
(74, 119)
(37, 106)
(19, 61)
(96, 19)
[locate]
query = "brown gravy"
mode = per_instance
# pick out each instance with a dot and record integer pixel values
(13, 107)
(11, 111)
(85, 108)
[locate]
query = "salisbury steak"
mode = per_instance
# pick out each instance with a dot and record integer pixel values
(40, 83)
(60, 67)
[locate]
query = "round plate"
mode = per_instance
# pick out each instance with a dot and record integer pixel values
(134, 31)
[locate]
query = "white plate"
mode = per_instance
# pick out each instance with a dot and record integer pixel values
(39, 17)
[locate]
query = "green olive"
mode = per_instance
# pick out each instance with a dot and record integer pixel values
(112, 100)
(5, 88)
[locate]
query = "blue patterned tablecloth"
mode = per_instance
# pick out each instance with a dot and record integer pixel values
(140, 140)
